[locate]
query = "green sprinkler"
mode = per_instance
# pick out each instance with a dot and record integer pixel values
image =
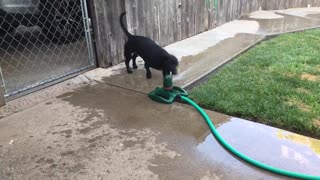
(168, 93)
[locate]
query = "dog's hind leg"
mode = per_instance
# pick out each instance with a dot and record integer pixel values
(134, 56)
(127, 55)
(149, 76)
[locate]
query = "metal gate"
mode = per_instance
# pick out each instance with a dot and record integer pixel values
(42, 41)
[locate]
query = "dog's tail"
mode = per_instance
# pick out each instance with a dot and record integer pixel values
(123, 27)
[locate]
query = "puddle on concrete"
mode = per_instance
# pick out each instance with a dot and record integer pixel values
(313, 144)
(285, 24)
(268, 145)
(136, 81)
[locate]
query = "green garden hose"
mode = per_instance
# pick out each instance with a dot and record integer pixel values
(242, 156)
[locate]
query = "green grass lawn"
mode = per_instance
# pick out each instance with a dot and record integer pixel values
(275, 83)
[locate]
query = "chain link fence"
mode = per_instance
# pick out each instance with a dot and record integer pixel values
(42, 41)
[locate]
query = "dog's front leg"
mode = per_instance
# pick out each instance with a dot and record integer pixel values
(128, 67)
(149, 76)
(134, 57)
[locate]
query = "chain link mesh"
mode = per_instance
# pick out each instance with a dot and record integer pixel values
(40, 41)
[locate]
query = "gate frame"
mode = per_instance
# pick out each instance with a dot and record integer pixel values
(87, 22)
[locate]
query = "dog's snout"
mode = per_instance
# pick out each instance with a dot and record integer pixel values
(175, 72)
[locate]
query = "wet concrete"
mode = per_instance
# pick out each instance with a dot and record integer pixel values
(314, 16)
(288, 23)
(312, 12)
(214, 57)
(103, 132)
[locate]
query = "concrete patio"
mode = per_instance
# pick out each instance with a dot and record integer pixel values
(101, 125)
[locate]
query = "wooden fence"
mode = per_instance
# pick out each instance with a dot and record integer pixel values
(168, 21)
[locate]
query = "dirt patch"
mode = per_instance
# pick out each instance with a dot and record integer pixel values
(317, 123)
(303, 90)
(309, 77)
(290, 75)
(302, 106)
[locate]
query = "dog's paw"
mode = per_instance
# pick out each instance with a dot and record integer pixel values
(129, 71)
(149, 76)
(135, 67)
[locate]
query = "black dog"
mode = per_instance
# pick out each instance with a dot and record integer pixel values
(153, 55)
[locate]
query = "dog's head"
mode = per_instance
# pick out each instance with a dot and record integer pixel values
(170, 65)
